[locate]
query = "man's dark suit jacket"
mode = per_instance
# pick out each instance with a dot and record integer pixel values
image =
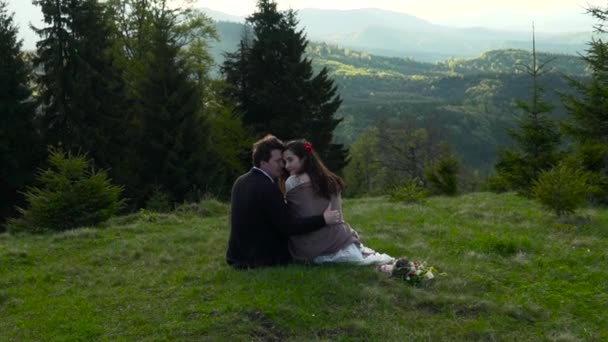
(261, 224)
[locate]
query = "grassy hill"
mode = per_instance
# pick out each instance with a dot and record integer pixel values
(508, 271)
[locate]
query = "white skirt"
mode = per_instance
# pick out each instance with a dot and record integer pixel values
(355, 254)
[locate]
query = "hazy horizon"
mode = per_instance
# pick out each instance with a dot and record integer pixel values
(557, 16)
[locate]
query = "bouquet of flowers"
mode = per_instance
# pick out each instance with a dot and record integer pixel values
(414, 272)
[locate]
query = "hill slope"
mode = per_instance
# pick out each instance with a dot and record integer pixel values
(470, 100)
(508, 272)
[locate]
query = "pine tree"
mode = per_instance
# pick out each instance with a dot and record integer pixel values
(537, 138)
(54, 59)
(588, 110)
(19, 141)
(275, 89)
(82, 91)
(165, 57)
(173, 148)
(101, 93)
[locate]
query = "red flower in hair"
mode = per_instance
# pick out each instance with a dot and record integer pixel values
(308, 147)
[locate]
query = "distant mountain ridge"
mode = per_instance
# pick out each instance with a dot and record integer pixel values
(401, 35)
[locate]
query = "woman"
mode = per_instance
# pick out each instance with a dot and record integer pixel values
(309, 190)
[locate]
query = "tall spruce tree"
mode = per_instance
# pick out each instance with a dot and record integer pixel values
(273, 84)
(101, 93)
(54, 59)
(173, 145)
(82, 90)
(537, 138)
(588, 109)
(19, 141)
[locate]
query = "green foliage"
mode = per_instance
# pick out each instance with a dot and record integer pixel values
(346, 62)
(83, 91)
(81, 88)
(587, 107)
(173, 144)
(502, 61)
(71, 194)
(207, 207)
(498, 184)
(472, 180)
(229, 142)
(514, 172)
(19, 141)
(363, 173)
(159, 202)
(272, 82)
(588, 111)
(537, 139)
(443, 177)
(562, 189)
(385, 155)
(165, 58)
(591, 156)
(408, 192)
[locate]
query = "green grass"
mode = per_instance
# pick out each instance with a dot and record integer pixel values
(508, 271)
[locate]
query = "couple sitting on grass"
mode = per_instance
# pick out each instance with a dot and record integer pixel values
(274, 223)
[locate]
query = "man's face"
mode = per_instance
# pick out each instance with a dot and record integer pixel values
(274, 166)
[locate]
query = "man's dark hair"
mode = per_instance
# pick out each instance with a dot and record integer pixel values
(263, 147)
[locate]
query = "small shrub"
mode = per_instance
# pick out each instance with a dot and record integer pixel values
(159, 202)
(590, 159)
(443, 178)
(471, 180)
(409, 192)
(562, 189)
(71, 194)
(497, 184)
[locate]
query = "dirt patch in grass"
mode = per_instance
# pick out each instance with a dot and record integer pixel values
(460, 308)
(264, 328)
(430, 306)
(16, 258)
(337, 333)
(529, 314)
(4, 297)
(471, 309)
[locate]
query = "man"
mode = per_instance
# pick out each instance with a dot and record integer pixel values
(260, 223)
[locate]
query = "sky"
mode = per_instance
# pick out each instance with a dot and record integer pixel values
(549, 15)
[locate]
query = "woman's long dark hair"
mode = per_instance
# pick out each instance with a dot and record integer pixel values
(324, 182)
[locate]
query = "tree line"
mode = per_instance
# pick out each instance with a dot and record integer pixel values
(127, 83)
